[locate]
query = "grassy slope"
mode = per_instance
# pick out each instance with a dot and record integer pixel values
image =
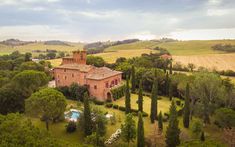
(39, 46)
(195, 47)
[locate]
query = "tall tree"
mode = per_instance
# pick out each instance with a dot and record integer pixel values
(27, 57)
(173, 131)
(128, 98)
(29, 81)
(186, 117)
(87, 116)
(170, 89)
(171, 67)
(153, 111)
(133, 82)
(47, 103)
(209, 91)
(140, 97)
(140, 131)
(128, 129)
(160, 123)
(167, 84)
(202, 138)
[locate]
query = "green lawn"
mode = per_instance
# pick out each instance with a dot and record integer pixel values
(58, 129)
(163, 104)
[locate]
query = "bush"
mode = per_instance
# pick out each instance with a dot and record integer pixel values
(122, 108)
(178, 102)
(180, 112)
(108, 105)
(225, 117)
(166, 114)
(144, 114)
(165, 118)
(97, 102)
(118, 92)
(115, 106)
(71, 127)
(134, 110)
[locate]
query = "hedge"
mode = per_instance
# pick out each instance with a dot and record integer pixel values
(115, 106)
(122, 108)
(108, 105)
(118, 92)
(97, 102)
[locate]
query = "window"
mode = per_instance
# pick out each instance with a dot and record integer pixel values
(72, 75)
(65, 77)
(116, 81)
(95, 87)
(58, 81)
(64, 70)
(107, 84)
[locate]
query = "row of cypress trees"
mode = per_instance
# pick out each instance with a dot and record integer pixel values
(173, 131)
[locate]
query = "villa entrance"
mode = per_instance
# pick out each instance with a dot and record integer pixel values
(109, 97)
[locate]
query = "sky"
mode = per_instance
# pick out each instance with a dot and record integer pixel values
(102, 20)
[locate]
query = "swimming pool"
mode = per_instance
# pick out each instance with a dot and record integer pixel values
(72, 115)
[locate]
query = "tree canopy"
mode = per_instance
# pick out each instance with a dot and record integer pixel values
(47, 103)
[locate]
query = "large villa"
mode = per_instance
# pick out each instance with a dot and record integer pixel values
(100, 81)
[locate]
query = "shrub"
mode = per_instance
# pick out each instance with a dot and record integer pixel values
(115, 106)
(134, 110)
(122, 108)
(166, 114)
(97, 102)
(108, 105)
(134, 113)
(178, 102)
(144, 114)
(180, 111)
(118, 92)
(225, 117)
(71, 127)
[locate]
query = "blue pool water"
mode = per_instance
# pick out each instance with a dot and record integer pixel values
(75, 115)
(72, 115)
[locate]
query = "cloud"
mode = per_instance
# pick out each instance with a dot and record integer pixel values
(92, 20)
(203, 34)
(218, 12)
(36, 32)
(16, 2)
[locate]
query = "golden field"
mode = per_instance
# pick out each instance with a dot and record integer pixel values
(211, 61)
(111, 57)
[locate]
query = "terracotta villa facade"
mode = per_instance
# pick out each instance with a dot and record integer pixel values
(99, 80)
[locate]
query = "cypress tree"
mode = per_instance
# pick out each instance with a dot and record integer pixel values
(171, 68)
(127, 98)
(140, 131)
(140, 97)
(167, 84)
(128, 129)
(87, 116)
(170, 90)
(160, 123)
(173, 131)
(133, 83)
(202, 138)
(153, 111)
(186, 117)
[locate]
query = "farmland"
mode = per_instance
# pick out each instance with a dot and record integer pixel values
(211, 61)
(111, 57)
(39, 46)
